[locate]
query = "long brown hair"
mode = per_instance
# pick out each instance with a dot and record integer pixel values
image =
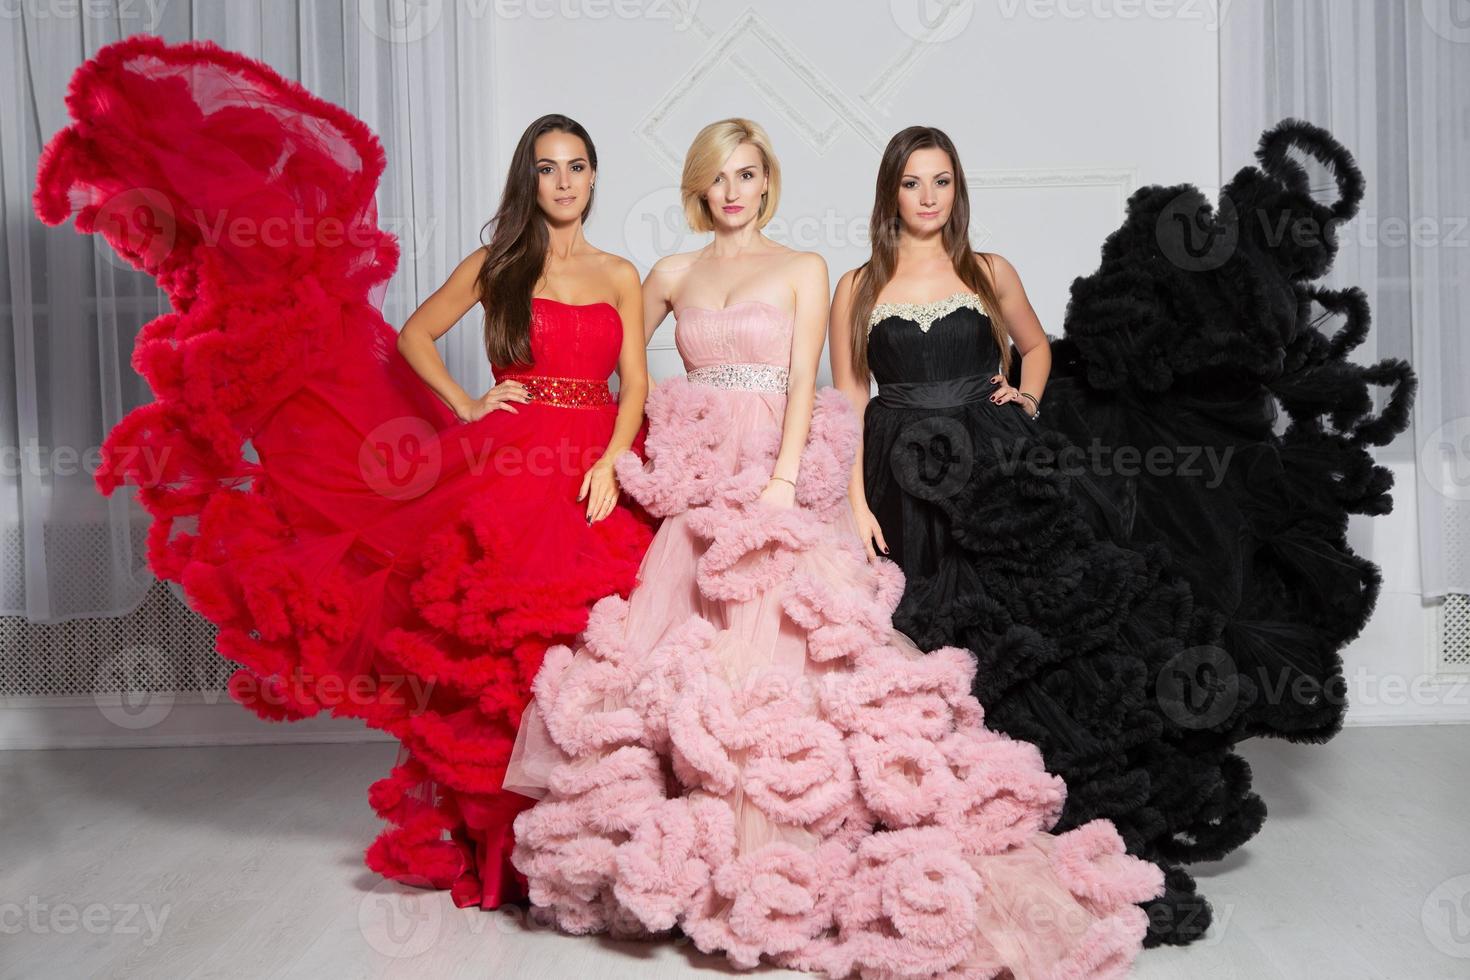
(884, 230)
(516, 255)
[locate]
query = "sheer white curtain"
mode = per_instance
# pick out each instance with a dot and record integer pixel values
(418, 74)
(1387, 78)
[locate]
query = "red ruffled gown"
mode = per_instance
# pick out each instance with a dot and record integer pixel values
(362, 552)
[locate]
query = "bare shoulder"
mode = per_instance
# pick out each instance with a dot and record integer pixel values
(465, 278)
(474, 261)
(848, 281)
(807, 265)
(670, 270)
(622, 272)
(1003, 275)
(676, 264)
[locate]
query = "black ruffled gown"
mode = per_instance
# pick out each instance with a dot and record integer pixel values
(1150, 572)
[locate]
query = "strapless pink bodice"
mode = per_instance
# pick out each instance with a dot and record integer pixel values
(751, 332)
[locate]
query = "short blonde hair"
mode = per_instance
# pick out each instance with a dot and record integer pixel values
(708, 153)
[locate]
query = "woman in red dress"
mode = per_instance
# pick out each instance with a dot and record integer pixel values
(371, 540)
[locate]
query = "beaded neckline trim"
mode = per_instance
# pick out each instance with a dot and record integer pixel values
(924, 314)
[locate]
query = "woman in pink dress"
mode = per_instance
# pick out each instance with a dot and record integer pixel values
(744, 748)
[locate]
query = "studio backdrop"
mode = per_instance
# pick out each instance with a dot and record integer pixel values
(1059, 111)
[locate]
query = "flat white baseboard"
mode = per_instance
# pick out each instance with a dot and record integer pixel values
(1451, 711)
(107, 721)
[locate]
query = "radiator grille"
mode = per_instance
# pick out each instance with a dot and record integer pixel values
(160, 646)
(1454, 634)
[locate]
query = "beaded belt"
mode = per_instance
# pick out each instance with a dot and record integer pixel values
(565, 392)
(935, 394)
(745, 376)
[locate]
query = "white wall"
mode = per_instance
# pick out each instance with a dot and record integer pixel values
(1059, 109)
(1057, 116)
(1392, 671)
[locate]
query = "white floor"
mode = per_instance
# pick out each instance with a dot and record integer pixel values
(246, 862)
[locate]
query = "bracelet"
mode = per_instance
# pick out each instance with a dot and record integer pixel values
(1035, 406)
(775, 477)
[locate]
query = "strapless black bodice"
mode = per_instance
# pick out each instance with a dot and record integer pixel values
(958, 344)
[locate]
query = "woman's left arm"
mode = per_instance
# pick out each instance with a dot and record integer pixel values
(808, 334)
(599, 484)
(1025, 332)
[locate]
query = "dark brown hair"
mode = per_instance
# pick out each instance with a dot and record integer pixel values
(516, 255)
(884, 229)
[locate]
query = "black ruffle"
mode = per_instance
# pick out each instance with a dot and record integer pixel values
(1137, 625)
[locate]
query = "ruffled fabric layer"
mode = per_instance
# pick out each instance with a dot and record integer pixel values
(361, 552)
(746, 750)
(1018, 559)
(1182, 580)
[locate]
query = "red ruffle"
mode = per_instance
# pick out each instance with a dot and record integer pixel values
(362, 552)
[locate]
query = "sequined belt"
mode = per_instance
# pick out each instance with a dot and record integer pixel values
(745, 376)
(564, 392)
(936, 394)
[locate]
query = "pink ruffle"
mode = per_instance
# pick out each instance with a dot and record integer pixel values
(902, 838)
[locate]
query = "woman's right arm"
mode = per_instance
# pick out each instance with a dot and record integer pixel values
(432, 320)
(845, 380)
(657, 297)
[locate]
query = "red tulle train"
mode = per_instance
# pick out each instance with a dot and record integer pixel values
(362, 552)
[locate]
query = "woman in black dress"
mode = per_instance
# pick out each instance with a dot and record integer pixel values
(1115, 561)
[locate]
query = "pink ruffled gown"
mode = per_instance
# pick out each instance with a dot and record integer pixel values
(745, 748)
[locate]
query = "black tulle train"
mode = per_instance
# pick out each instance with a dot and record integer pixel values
(1182, 580)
